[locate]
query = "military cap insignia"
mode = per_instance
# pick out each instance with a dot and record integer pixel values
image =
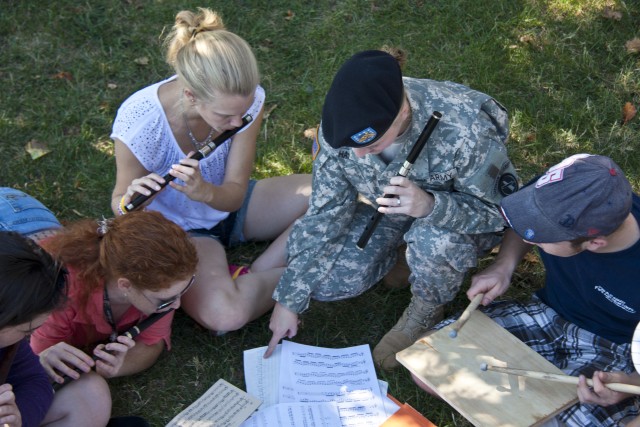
(364, 136)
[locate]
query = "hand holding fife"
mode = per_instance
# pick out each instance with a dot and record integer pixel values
(144, 186)
(284, 323)
(193, 184)
(414, 201)
(62, 359)
(9, 413)
(110, 357)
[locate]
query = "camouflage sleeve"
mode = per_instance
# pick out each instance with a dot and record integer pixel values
(314, 238)
(484, 175)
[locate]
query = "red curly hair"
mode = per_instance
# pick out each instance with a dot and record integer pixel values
(142, 246)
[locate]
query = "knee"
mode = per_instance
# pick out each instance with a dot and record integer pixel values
(83, 402)
(440, 249)
(227, 316)
(96, 395)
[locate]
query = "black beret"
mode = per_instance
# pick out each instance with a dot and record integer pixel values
(363, 101)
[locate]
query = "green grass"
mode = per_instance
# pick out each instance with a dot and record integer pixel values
(559, 66)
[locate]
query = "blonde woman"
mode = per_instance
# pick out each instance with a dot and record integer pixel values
(216, 84)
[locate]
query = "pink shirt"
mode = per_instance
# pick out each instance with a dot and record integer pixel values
(87, 328)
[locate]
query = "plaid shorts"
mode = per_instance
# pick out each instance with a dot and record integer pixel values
(572, 349)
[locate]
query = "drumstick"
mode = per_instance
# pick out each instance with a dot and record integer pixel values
(465, 315)
(561, 378)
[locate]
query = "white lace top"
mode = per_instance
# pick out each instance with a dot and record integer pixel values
(143, 127)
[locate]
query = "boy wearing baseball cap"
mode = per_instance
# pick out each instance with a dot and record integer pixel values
(583, 216)
(446, 209)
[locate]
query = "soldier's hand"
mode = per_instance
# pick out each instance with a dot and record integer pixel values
(408, 199)
(284, 323)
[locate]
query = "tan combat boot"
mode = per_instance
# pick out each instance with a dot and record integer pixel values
(398, 276)
(416, 320)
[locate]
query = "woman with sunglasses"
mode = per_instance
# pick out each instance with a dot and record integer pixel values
(121, 271)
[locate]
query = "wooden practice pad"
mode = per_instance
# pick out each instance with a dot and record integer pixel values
(451, 367)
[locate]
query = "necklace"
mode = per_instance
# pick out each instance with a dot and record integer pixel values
(196, 144)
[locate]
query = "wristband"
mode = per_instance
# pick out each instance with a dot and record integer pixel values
(121, 207)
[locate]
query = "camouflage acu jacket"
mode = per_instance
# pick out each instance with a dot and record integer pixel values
(464, 166)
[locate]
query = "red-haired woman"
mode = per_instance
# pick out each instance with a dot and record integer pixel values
(120, 271)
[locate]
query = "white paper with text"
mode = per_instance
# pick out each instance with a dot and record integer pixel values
(223, 405)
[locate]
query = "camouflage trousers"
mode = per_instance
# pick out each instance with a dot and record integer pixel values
(438, 258)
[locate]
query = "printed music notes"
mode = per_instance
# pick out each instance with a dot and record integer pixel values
(223, 405)
(340, 383)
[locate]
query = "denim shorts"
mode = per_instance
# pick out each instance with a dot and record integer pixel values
(229, 230)
(22, 213)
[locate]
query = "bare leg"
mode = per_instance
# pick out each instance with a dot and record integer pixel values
(85, 402)
(219, 303)
(275, 255)
(275, 204)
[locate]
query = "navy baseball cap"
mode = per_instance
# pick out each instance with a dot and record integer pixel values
(583, 196)
(363, 101)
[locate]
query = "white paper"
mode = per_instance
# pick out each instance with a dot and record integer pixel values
(323, 414)
(223, 405)
(345, 376)
(261, 375)
(390, 407)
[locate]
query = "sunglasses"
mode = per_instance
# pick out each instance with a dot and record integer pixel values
(166, 303)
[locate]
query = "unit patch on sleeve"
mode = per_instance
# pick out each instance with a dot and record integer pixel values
(507, 184)
(315, 147)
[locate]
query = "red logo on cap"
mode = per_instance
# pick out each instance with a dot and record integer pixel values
(613, 172)
(592, 231)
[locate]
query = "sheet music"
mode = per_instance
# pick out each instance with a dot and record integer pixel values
(261, 375)
(390, 406)
(346, 376)
(223, 405)
(323, 414)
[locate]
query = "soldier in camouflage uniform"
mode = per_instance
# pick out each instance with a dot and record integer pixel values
(446, 209)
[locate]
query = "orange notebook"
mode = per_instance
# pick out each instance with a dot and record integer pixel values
(406, 416)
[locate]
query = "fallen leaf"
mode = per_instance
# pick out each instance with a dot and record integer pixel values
(63, 75)
(633, 45)
(527, 39)
(143, 60)
(628, 112)
(310, 133)
(268, 110)
(36, 149)
(112, 86)
(609, 13)
(290, 15)
(531, 257)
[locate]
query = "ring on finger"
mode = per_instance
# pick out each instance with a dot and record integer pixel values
(398, 201)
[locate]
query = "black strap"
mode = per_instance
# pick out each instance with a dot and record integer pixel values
(108, 315)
